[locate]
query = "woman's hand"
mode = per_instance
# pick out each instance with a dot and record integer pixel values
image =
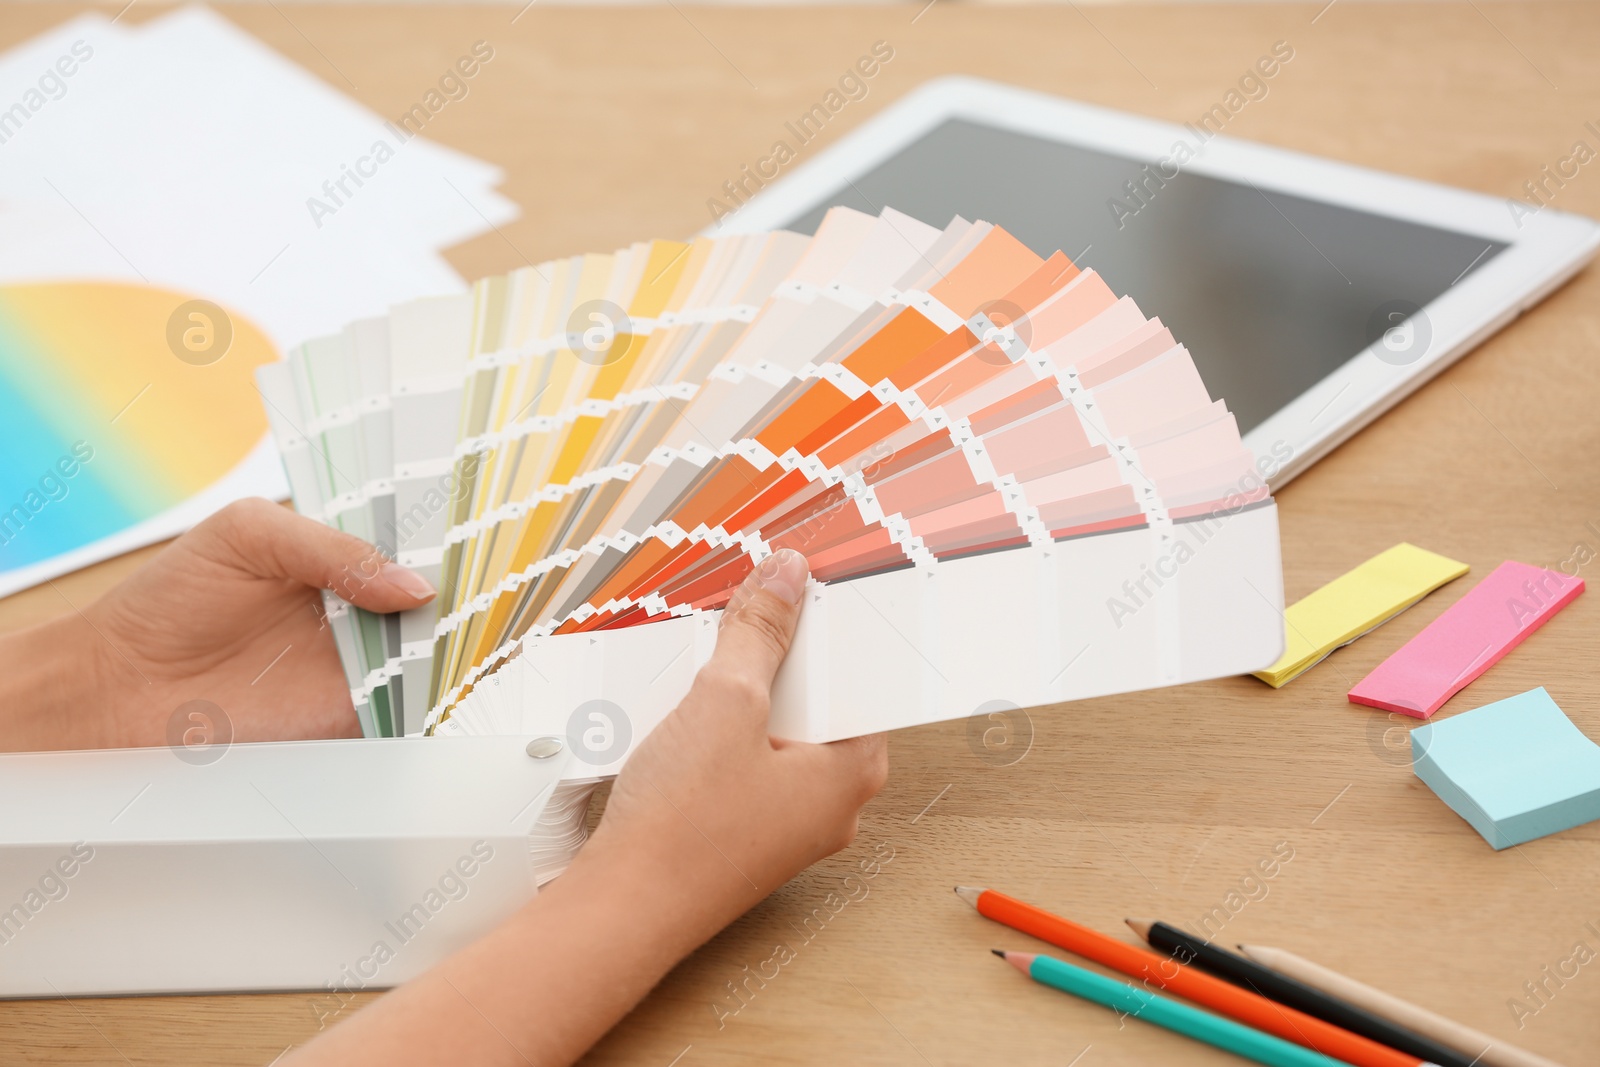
(710, 783)
(708, 816)
(229, 613)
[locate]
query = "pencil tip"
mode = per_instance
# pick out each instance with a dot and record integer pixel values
(999, 952)
(969, 894)
(1140, 926)
(1022, 961)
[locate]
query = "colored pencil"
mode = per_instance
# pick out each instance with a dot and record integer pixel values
(1490, 1051)
(1274, 986)
(1196, 985)
(1161, 1011)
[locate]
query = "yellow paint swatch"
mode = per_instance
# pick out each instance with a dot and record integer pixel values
(1356, 603)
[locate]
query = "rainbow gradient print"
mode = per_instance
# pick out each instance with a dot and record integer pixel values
(107, 419)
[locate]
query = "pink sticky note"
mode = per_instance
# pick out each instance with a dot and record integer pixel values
(1471, 636)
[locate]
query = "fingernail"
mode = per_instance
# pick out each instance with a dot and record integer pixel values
(783, 574)
(406, 580)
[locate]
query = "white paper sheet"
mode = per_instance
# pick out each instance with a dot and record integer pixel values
(183, 154)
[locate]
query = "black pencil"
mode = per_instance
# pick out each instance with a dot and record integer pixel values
(1268, 983)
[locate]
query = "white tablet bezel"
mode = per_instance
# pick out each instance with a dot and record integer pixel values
(1543, 250)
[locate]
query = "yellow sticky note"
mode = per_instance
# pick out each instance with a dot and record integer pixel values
(1356, 603)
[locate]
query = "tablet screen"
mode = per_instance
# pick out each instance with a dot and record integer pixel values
(1270, 292)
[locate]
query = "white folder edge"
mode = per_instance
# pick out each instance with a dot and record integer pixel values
(308, 865)
(1042, 624)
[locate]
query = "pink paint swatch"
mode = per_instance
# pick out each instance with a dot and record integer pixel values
(1471, 636)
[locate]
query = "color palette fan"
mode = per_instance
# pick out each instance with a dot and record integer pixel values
(1011, 485)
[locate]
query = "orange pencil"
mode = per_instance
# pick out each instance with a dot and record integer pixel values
(1202, 988)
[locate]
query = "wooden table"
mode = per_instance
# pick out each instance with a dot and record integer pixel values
(615, 125)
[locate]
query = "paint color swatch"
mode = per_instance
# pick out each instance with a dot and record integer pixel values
(1472, 635)
(972, 444)
(1356, 603)
(1516, 769)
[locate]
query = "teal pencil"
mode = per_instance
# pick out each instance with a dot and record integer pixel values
(1175, 1016)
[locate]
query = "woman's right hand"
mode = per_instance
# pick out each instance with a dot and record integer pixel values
(708, 816)
(720, 809)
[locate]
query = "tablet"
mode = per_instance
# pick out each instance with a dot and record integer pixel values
(1313, 294)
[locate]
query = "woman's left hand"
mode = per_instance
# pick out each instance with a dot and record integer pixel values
(229, 614)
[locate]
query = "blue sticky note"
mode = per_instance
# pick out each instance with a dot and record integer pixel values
(1516, 769)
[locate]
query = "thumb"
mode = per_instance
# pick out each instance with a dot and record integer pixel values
(267, 541)
(759, 621)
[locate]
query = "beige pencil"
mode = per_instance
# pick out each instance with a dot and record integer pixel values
(1490, 1051)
